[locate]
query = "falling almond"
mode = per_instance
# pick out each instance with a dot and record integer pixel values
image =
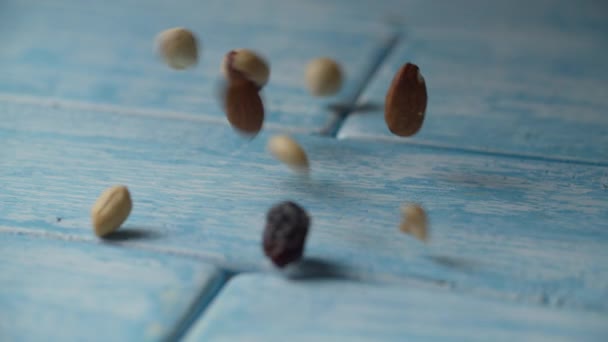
(244, 107)
(406, 101)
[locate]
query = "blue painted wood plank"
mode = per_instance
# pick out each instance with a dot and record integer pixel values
(524, 230)
(64, 290)
(267, 308)
(532, 85)
(103, 54)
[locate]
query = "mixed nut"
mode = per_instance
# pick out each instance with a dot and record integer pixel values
(111, 210)
(406, 100)
(288, 151)
(246, 73)
(178, 48)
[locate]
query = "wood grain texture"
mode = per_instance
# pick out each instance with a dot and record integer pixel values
(104, 53)
(70, 291)
(530, 83)
(266, 308)
(519, 246)
(517, 229)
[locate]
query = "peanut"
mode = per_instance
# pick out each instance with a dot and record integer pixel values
(111, 209)
(289, 152)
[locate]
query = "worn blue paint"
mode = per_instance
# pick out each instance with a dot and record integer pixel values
(66, 290)
(525, 230)
(267, 308)
(84, 104)
(69, 51)
(533, 86)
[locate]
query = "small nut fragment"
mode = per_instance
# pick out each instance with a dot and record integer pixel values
(406, 102)
(414, 221)
(178, 48)
(244, 107)
(111, 209)
(244, 63)
(289, 152)
(323, 77)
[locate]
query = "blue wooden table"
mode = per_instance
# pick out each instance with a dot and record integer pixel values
(511, 165)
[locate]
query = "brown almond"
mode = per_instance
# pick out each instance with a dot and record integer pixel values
(244, 107)
(406, 100)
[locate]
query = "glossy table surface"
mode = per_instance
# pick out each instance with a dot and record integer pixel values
(511, 166)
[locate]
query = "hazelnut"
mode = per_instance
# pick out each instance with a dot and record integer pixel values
(245, 64)
(178, 48)
(323, 77)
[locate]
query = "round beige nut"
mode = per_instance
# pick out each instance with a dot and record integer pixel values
(111, 209)
(178, 48)
(323, 77)
(414, 221)
(244, 63)
(289, 152)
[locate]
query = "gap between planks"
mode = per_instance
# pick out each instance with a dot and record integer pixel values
(50, 102)
(349, 105)
(228, 271)
(477, 151)
(208, 294)
(199, 306)
(334, 126)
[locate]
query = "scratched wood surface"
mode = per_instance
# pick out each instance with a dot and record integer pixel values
(533, 86)
(62, 290)
(267, 308)
(519, 220)
(522, 229)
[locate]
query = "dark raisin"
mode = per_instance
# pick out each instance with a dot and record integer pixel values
(285, 233)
